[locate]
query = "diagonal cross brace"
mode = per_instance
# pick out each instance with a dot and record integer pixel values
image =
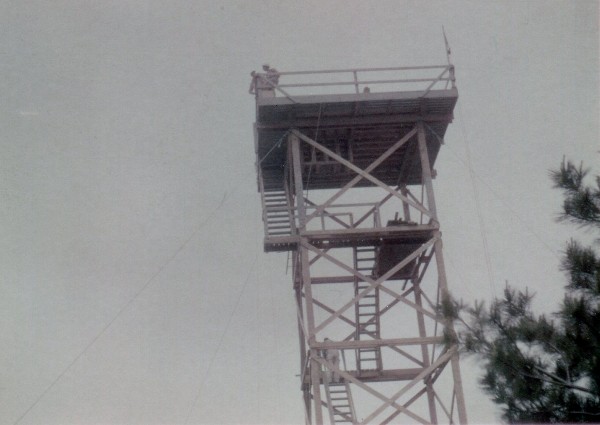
(382, 312)
(428, 371)
(370, 390)
(332, 311)
(362, 173)
(408, 403)
(374, 283)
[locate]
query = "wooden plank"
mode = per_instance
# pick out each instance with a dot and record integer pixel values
(376, 343)
(354, 121)
(426, 170)
(297, 169)
(422, 231)
(409, 95)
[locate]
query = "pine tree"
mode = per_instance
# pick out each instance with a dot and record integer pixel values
(542, 368)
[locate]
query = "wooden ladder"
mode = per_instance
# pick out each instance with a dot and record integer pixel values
(366, 311)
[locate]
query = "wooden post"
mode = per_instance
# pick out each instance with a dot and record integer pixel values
(426, 170)
(298, 186)
(405, 206)
(458, 389)
(315, 368)
(425, 353)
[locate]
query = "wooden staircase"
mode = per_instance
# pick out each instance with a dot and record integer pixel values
(339, 401)
(277, 213)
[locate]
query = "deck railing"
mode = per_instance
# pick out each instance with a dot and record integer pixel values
(346, 219)
(360, 80)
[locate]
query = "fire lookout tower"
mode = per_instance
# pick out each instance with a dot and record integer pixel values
(345, 167)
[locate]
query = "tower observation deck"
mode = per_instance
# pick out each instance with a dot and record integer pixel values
(344, 170)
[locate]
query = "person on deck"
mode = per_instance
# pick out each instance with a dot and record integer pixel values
(333, 356)
(263, 84)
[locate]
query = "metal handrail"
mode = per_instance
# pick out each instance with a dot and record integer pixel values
(375, 212)
(446, 75)
(395, 68)
(353, 83)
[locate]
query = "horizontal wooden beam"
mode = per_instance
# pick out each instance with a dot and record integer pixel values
(332, 279)
(379, 376)
(375, 343)
(421, 231)
(334, 122)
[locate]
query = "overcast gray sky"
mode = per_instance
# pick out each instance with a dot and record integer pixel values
(134, 289)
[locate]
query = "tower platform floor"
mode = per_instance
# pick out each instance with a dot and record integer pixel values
(388, 237)
(359, 127)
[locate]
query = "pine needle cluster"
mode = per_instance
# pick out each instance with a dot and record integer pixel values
(539, 368)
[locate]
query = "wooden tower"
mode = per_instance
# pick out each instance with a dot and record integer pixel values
(345, 167)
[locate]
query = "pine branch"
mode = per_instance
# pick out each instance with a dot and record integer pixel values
(562, 382)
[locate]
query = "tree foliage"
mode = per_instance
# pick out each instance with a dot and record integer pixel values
(542, 368)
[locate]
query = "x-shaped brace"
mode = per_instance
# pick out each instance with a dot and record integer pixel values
(390, 401)
(373, 283)
(362, 174)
